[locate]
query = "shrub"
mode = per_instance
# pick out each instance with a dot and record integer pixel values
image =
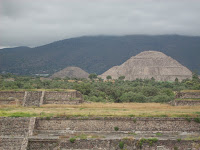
(158, 134)
(121, 144)
(121, 78)
(150, 91)
(175, 148)
(161, 98)
(72, 140)
(178, 140)
(149, 141)
(92, 76)
(116, 128)
(48, 118)
(188, 119)
(133, 97)
(108, 77)
(197, 120)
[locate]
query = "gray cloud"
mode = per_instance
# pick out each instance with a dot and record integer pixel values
(37, 22)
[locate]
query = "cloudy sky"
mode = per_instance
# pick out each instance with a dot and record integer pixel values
(37, 22)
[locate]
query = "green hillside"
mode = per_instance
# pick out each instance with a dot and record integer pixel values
(96, 54)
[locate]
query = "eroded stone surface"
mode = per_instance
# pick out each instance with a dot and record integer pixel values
(71, 72)
(37, 98)
(98, 133)
(150, 64)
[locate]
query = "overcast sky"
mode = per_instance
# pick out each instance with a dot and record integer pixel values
(38, 22)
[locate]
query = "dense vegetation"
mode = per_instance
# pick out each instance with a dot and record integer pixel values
(97, 90)
(97, 53)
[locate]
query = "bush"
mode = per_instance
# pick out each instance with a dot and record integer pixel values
(116, 128)
(133, 97)
(72, 140)
(197, 120)
(94, 99)
(150, 91)
(168, 92)
(161, 98)
(121, 144)
(92, 76)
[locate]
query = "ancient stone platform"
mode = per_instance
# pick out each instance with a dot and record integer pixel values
(187, 98)
(109, 133)
(38, 98)
(147, 65)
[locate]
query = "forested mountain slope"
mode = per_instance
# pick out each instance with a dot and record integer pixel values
(96, 54)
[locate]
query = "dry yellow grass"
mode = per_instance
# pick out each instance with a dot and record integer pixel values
(105, 109)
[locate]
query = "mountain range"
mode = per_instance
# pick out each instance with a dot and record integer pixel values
(96, 54)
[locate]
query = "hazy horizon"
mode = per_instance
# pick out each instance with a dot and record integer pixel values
(34, 23)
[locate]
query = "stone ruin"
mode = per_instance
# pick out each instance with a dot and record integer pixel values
(147, 65)
(71, 72)
(99, 133)
(187, 98)
(38, 98)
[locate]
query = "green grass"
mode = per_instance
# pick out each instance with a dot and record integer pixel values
(102, 110)
(159, 134)
(24, 114)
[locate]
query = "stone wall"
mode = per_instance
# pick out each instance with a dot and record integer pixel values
(10, 143)
(54, 97)
(113, 144)
(21, 133)
(185, 102)
(14, 126)
(37, 98)
(189, 94)
(45, 144)
(33, 98)
(187, 98)
(11, 97)
(124, 124)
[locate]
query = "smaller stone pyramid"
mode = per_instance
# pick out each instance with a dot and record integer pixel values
(149, 64)
(71, 72)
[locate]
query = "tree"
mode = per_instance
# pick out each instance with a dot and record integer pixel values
(163, 98)
(152, 79)
(100, 79)
(121, 78)
(176, 80)
(108, 77)
(133, 97)
(92, 76)
(195, 77)
(150, 91)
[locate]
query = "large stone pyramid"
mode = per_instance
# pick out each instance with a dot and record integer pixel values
(71, 72)
(149, 64)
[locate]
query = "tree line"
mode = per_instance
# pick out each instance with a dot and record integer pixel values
(96, 90)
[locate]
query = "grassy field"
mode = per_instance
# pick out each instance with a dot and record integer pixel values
(102, 109)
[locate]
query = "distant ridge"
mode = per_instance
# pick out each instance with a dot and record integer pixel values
(96, 54)
(150, 64)
(71, 72)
